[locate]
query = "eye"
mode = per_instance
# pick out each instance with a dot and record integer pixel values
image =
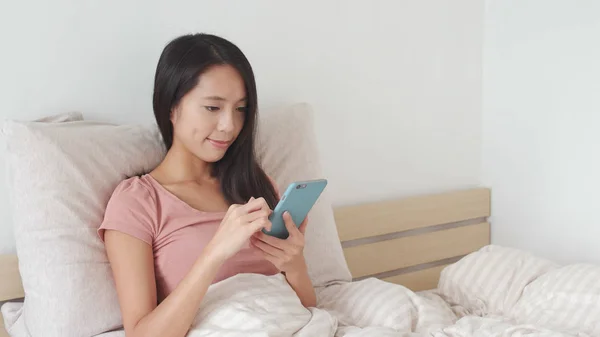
(212, 108)
(242, 109)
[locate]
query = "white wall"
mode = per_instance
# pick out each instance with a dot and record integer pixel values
(541, 122)
(396, 84)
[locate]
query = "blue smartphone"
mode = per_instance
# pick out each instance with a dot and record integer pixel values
(298, 199)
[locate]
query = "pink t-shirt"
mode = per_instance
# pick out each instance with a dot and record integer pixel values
(177, 232)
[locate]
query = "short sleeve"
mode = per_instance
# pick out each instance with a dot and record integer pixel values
(131, 210)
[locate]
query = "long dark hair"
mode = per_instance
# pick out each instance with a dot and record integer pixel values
(181, 63)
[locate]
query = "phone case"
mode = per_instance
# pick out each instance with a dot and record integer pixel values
(298, 199)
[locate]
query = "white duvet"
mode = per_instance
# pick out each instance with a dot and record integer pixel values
(495, 292)
(255, 305)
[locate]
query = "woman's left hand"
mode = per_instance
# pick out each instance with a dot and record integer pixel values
(287, 255)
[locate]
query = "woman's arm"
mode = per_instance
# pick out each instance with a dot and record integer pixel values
(132, 262)
(302, 285)
(288, 256)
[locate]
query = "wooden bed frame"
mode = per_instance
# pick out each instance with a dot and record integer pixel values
(406, 241)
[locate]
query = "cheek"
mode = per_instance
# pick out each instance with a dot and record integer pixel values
(197, 133)
(192, 126)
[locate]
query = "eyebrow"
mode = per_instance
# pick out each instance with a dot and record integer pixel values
(218, 98)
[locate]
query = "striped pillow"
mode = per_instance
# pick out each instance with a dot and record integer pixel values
(565, 299)
(490, 281)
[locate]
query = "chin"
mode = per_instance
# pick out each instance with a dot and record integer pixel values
(214, 159)
(210, 157)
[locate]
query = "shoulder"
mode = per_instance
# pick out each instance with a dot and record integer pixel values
(132, 209)
(134, 192)
(138, 186)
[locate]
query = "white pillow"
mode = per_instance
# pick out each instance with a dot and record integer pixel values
(566, 299)
(287, 149)
(63, 175)
(7, 238)
(490, 281)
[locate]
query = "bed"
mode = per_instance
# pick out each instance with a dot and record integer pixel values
(425, 267)
(420, 265)
(410, 242)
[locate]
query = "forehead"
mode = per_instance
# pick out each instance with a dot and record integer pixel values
(222, 81)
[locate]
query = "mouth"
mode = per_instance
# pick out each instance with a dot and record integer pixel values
(221, 144)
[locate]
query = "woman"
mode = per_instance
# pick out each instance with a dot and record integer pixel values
(198, 217)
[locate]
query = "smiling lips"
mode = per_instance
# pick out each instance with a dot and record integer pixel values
(220, 144)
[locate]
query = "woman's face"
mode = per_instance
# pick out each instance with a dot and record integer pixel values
(209, 118)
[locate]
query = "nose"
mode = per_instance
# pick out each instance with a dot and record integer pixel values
(225, 123)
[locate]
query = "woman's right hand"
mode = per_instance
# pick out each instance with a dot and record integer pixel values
(238, 225)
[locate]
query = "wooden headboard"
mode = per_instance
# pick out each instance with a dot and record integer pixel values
(409, 241)
(406, 241)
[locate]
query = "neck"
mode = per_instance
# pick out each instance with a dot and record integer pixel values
(181, 165)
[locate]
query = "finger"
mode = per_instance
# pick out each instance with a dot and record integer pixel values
(289, 224)
(271, 240)
(255, 215)
(259, 224)
(263, 204)
(275, 261)
(232, 208)
(255, 205)
(273, 251)
(249, 207)
(303, 225)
